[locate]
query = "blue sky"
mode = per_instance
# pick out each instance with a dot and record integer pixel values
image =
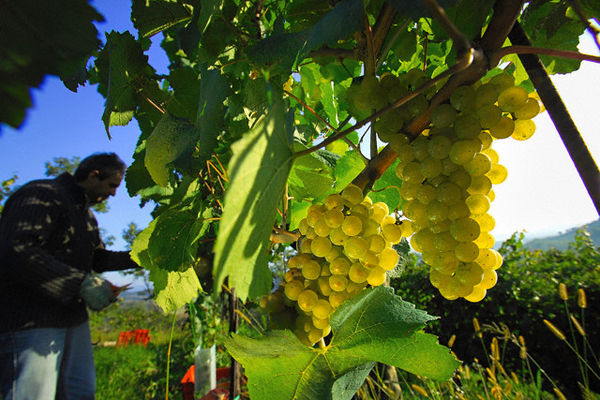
(542, 195)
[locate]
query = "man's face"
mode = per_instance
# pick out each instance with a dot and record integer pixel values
(99, 190)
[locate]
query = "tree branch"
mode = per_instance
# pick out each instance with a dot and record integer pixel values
(496, 56)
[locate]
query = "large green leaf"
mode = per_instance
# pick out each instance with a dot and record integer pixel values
(374, 326)
(39, 38)
(150, 17)
(258, 172)
(172, 289)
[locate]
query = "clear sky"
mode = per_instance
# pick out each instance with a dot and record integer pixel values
(542, 195)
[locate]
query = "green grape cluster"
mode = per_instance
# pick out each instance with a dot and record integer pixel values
(447, 176)
(345, 245)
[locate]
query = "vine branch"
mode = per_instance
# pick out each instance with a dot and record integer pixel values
(496, 56)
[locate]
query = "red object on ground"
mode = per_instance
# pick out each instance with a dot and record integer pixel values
(139, 336)
(220, 392)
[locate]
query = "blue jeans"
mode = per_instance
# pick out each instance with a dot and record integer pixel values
(47, 364)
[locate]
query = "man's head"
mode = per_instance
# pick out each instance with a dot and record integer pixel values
(100, 175)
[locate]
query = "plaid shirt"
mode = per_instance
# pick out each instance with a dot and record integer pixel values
(49, 241)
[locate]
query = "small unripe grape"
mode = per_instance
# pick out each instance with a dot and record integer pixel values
(339, 266)
(322, 228)
(376, 276)
(352, 195)
(466, 127)
(466, 251)
(334, 201)
(513, 98)
(420, 148)
(320, 246)
(439, 147)
(322, 309)
(431, 167)
(323, 283)
(392, 233)
(486, 94)
(463, 151)
(465, 230)
(497, 174)
(293, 289)
(311, 270)
(463, 99)
(529, 110)
(437, 211)
(388, 259)
(448, 193)
(352, 225)
(503, 129)
(338, 283)
(459, 210)
(426, 193)
(444, 241)
(524, 129)
(358, 273)
(489, 115)
(444, 115)
(337, 236)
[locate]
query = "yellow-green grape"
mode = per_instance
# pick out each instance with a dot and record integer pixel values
(337, 236)
(466, 127)
(424, 240)
(303, 226)
(313, 216)
(431, 167)
(367, 202)
(438, 227)
(321, 228)
(388, 259)
(444, 241)
(379, 211)
(376, 243)
(305, 245)
(461, 178)
(352, 225)
(334, 201)
(416, 211)
(291, 274)
(407, 228)
(448, 167)
(477, 294)
(486, 94)
(337, 298)
(444, 115)
(311, 234)
(486, 139)
(356, 247)
(512, 99)
(491, 195)
(466, 251)
(529, 110)
(323, 284)
(524, 129)
(489, 115)
(486, 222)
(370, 227)
(321, 323)
(438, 279)
(490, 278)
(311, 270)
(463, 99)
(485, 240)
(314, 335)
(307, 300)
(469, 273)
(293, 289)
(439, 147)
(352, 195)
(426, 193)
(445, 262)
(370, 259)
(480, 184)
(360, 210)
(334, 218)
(339, 266)
(325, 271)
(437, 211)
(458, 210)
(420, 148)
(338, 283)
(417, 105)
(399, 140)
(358, 273)
(376, 276)
(503, 129)
(492, 154)
(405, 153)
(411, 173)
(408, 191)
(322, 309)
(392, 233)
(479, 165)
(448, 193)
(355, 288)
(465, 230)
(497, 174)
(487, 258)
(463, 151)
(320, 246)
(478, 203)
(502, 81)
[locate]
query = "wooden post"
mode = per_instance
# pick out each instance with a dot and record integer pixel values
(234, 321)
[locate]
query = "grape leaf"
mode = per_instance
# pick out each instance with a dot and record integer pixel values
(386, 188)
(374, 326)
(347, 168)
(417, 9)
(310, 178)
(258, 172)
(152, 17)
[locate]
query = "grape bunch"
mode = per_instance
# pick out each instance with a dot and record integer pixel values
(447, 177)
(345, 245)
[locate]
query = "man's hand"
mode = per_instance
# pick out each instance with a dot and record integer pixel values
(97, 292)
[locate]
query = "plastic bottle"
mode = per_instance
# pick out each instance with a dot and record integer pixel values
(205, 378)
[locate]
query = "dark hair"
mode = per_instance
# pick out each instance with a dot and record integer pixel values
(107, 164)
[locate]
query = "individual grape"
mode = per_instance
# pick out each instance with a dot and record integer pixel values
(320, 246)
(352, 225)
(314, 335)
(491, 195)
(492, 154)
(480, 185)
(322, 228)
(466, 251)
(334, 201)
(305, 245)
(458, 210)
(338, 283)
(469, 273)
(445, 262)
(313, 216)
(479, 165)
(529, 110)
(358, 273)
(448, 193)
(334, 218)
(388, 258)
(303, 226)
(339, 266)
(417, 105)
(489, 115)
(405, 153)
(322, 309)
(392, 233)
(424, 239)
(444, 115)
(485, 240)
(426, 193)
(486, 94)
(337, 236)
(439, 147)
(321, 323)
(370, 227)
(408, 191)
(503, 129)
(376, 276)
(355, 288)
(490, 278)
(311, 270)
(465, 229)
(356, 247)
(360, 210)
(370, 259)
(399, 140)
(512, 98)
(420, 148)
(466, 127)
(439, 226)
(463, 99)
(486, 222)
(352, 195)
(455, 289)
(431, 167)
(477, 294)
(380, 210)
(502, 81)
(524, 129)
(389, 81)
(463, 151)
(486, 139)
(497, 174)
(437, 211)
(461, 178)
(376, 243)
(444, 241)
(293, 289)
(416, 211)
(438, 279)
(411, 173)
(337, 298)
(478, 203)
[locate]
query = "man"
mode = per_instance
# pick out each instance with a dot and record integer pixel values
(49, 248)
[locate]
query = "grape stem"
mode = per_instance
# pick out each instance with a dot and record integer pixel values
(496, 56)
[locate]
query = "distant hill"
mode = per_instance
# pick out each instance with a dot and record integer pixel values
(562, 240)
